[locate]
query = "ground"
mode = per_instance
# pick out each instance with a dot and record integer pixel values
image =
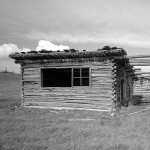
(37, 129)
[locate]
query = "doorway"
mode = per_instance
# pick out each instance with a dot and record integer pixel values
(123, 92)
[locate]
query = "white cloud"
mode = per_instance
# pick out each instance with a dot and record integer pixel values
(50, 46)
(112, 37)
(25, 49)
(7, 49)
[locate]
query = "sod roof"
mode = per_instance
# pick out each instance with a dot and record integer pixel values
(67, 54)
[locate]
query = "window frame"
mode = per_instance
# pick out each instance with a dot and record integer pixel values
(72, 77)
(79, 77)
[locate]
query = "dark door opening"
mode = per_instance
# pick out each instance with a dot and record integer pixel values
(122, 91)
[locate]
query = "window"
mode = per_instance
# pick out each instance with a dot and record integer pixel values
(56, 77)
(64, 77)
(81, 77)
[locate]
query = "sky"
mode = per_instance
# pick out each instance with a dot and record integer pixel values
(80, 24)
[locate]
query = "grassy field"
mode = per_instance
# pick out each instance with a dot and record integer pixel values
(36, 129)
(10, 90)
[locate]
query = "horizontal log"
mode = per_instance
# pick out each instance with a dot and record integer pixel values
(108, 78)
(75, 95)
(138, 86)
(53, 104)
(141, 73)
(101, 97)
(102, 73)
(102, 80)
(93, 74)
(145, 76)
(32, 76)
(70, 108)
(31, 79)
(140, 64)
(28, 91)
(139, 60)
(103, 83)
(103, 64)
(72, 100)
(61, 100)
(31, 83)
(32, 71)
(102, 69)
(55, 64)
(141, 92)
(142, 87)
(86, 102)
(67, 60)
(138, 56)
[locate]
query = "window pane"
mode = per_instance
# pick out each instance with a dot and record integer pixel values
(85, 81)
(85, 72)
(76, 72)
(76, 82)
(56, 77)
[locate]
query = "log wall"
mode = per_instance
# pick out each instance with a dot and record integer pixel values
(98, 96)
(126, 88)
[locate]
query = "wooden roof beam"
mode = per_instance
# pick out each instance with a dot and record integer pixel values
(141, 72)
(136, 68)
(139, 61)
(138, 56)
(142, 76)
(134, 56)
(140, 64)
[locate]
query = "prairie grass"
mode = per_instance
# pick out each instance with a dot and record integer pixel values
(37, 129)
(10, 90)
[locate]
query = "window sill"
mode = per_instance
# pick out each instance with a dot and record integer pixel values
(71, 88)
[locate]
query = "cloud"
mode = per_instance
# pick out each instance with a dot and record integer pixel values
(79, 19)
(25, 49)
(109, 37)
(50, 46)
(7, 49)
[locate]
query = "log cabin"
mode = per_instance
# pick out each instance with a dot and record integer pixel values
(99, 80)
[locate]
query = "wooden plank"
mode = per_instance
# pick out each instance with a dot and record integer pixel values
(55, 99)
(29, 91)
(138, 56)
(52, 105)
(71, 100)
(139, 61)
(75, 95)
(140, 64)
(65, 64)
